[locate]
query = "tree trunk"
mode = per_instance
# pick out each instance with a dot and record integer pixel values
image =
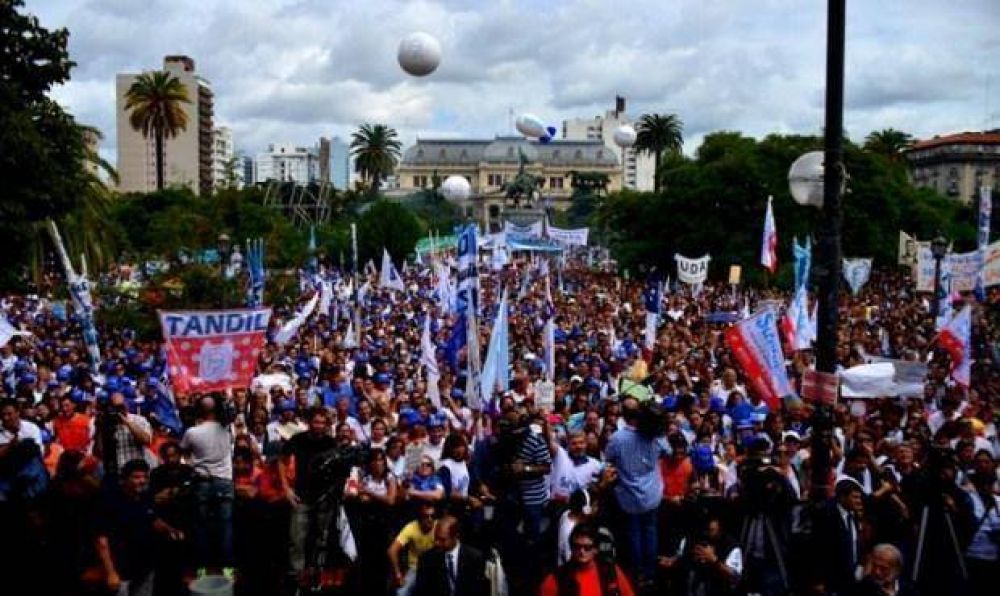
(656, 170)
(159, 160)
(376, 180)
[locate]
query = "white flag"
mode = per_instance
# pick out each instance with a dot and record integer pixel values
(390, 278)
(289, 329)
(428, 359)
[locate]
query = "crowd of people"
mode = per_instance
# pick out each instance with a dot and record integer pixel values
(623, 470)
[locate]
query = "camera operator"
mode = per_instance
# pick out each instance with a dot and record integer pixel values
(123, 436)
(635, 451)
(712, 563)
(944, 516)
(767, 498)
(983, 554)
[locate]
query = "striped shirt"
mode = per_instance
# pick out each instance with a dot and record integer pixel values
(534, 452)
(640, 485)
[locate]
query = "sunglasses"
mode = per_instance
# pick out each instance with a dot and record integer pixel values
(588, 547)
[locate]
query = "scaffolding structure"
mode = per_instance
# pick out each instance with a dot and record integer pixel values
(303, 204)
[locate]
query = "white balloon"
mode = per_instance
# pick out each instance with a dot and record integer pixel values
(530, 126)
(805, 179)
(456, 188)
(625, 135)
(419, 54)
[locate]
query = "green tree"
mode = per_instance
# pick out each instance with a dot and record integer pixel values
(376, 150)
(657, 134)
(154, 104)
(391, 225)
(42, 148)
(888, 142)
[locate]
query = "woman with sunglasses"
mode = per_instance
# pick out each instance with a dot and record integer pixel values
(588, 571)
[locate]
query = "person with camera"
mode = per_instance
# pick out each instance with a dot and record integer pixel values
(711, 562)
(767, 498)
(635, 452)
(124, 436)
(983, 553)
(587, 573)
(172, 485)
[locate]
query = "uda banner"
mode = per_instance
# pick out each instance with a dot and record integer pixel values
(213, 350)
(567, 237)
(757, 347)
(692, 271)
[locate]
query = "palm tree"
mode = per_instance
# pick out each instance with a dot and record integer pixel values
(659, 133)
(888, 142)
(154, 100)
(376, 150)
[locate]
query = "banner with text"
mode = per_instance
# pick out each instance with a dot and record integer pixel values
(213, 350)
(576, 237)
(692, 271)
(514, 229)
(963, 268)
(757, 348)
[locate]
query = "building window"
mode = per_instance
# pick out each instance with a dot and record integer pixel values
(556, 182)
(443, 154)
(419, 181)
(579, 154)
(494, 180)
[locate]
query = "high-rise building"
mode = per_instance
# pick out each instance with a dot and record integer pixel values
(247, 165)
(340, 163)
(324, 160)
(225, 171)
(957, 165)
(188, 156)
(637, 168)
(287, 163)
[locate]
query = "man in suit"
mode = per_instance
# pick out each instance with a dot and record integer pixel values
(838, 539)
(451, 568)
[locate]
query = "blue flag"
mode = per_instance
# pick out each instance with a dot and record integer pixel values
(803, 261)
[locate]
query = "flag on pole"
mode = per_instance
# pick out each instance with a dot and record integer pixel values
(389, 277)
(757, 348)
(495, 372)
(651, 298)
(473, 370)
(8, 331)
(549, 339)
(983, 237)
(291, 327)
(769, 242)
(803, 260)
(956, 338)
(255, 269)
(428, 358)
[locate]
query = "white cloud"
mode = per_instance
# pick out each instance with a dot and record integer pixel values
(296, 70)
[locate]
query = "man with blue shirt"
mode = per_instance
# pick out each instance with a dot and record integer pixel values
(635, 455)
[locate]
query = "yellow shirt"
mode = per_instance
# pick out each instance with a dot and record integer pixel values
(415, 541)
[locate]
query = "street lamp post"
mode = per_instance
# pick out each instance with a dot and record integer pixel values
(828, 245)
(939, 248)
(223, 244)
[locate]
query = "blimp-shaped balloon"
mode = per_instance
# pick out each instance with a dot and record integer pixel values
(625, 136)
(419, 54)
(456, 188)
(531, 126)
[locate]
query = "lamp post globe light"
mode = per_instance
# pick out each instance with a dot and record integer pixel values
(939, 248)
(805, 179)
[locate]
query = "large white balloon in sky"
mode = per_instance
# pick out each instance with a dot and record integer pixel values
(419, 54)
(532, 127)
(625, 135)
(456, 188)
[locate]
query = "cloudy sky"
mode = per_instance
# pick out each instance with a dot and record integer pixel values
(295, 70)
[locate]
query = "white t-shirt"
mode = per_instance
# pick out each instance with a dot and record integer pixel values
(567, 478)
(459, 476)
(27, 430)
(211, 449)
